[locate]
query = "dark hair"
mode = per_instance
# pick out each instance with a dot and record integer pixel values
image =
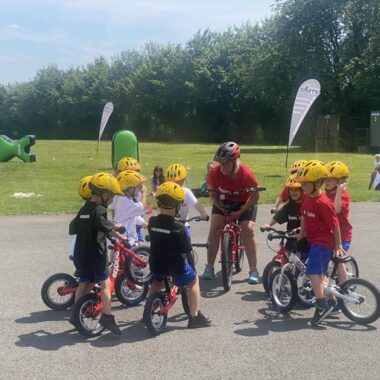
(160, 177)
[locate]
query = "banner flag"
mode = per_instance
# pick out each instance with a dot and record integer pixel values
(107, 110)
(306, 95)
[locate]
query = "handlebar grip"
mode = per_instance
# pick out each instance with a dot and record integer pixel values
(263, 229)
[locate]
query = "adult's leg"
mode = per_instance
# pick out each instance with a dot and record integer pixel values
(216, 224)
(249, 242)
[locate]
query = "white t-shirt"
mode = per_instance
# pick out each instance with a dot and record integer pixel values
(190, 201)
(376, 181)
(127, 213)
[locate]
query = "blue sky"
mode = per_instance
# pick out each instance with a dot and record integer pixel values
(36, 33)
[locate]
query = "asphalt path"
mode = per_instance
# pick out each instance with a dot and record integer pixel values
(248, 339)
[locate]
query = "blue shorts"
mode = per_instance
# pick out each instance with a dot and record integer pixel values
(346, 245)
(183, 279)
(139, 233)
(94, 278)
(319, 258)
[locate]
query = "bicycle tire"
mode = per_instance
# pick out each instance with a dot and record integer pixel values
(185, 300)
(267, 273)
(283, 299)
(127, 294)
(136, 273)
(239, 256)
(50, 291)
(226, 256)
(86, 308)
(154, 305)
(352, 269)
(350, 286)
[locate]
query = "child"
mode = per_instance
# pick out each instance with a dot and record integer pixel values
(90, 254)
(290, 213)
(320, 225)
(84, 192)
(157, 179)
(374, 182)
(127, 209)
(283, 196)
(127, 163)
(168, 249)
(177, 173)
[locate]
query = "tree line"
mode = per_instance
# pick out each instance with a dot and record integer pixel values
(238, 84)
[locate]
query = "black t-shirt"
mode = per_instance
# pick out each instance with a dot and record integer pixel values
(168, 245)
(91, 227)
(289, 213)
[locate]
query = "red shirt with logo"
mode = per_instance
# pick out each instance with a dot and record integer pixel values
(227, 186)
(319, 219)
(344, 224)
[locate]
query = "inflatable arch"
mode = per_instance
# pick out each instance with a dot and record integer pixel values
(17, 148)
(124, 143)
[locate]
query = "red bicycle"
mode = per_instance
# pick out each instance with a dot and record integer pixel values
(127, 266)
(158, 304)
(232, 249)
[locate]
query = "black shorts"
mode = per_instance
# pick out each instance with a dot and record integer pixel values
(248, 215)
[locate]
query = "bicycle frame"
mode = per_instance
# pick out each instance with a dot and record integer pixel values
(233, 229)
(170, 296)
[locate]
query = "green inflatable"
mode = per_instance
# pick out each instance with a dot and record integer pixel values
(124, 143)
(17, 148)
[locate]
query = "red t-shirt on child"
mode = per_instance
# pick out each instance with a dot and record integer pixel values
(284, 194)
(225, 185)
(344, 224)
(320, 220)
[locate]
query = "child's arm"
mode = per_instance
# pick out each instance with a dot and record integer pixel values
(373, 174)
(274, 209)
(338, 198)
(271, 223)
(201, 210)
(338, 250)
(301, 233)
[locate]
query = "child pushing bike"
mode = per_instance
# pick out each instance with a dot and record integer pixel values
(90, 252)
(169, 248)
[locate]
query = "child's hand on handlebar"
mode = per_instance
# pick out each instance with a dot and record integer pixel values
(264, 227)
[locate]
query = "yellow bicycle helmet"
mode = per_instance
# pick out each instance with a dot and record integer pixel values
(337, 169)
(176, 172)
(311, 172)
(104, 182)
(130, 178)
(84, 190)
(128, 163)
(297, 165)
(292, 183)
(170, 195)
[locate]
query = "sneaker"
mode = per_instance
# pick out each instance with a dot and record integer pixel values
(254, 278)
(208, 273)
(320, 314)
(108, 322)
(199, 321)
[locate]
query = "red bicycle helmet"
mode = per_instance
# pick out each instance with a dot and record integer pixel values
(228, 151)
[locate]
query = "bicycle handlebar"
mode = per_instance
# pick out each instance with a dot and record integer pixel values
(195, 219)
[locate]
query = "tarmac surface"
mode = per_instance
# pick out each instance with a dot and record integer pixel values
(248, 339)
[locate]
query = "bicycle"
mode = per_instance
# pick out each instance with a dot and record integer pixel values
(158, 304)
(88, 309)
(289, 285)
(232, 249)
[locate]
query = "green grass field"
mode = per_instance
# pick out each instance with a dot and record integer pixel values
(61, 164)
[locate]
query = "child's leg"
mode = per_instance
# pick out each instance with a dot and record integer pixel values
(83, 289)
(105, 294)
(155, 287)
(194, 296)
(317, 285)
(342, 273)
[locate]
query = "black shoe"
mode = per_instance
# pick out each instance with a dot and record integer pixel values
(320, 314)
(199, 321)
(108, 322)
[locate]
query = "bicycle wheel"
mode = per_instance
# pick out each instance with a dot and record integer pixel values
(352, 269)
(240, 256)
(268, 270)
(51, 291)
(138, 273)
(363, 306)
(129, 293)
(87, 312)
(185, 299)
(283, 295)
(226, 258)
(154, 319)
(305, 294)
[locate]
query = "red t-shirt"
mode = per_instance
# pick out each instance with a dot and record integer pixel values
(344, 224)
(284, 194)
(320, 220)
(225, 185)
